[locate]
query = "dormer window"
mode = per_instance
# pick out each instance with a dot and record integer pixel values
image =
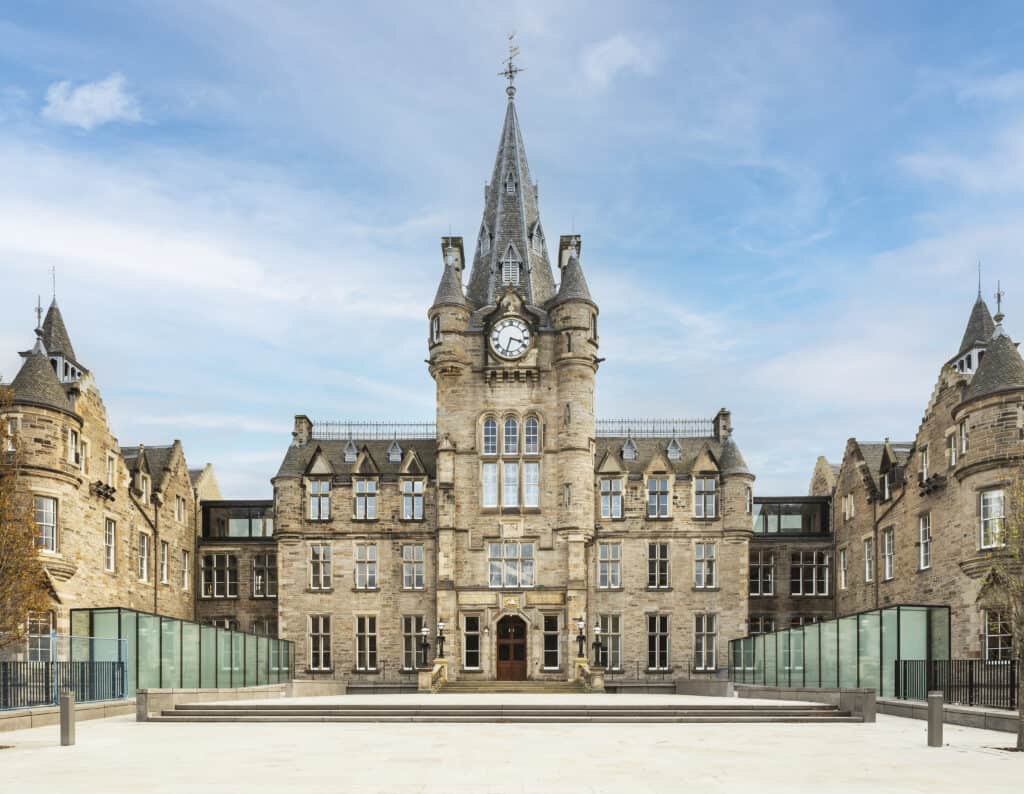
(351, 452)
(510, 184)
(144, 488)
(629, 451)
(510, 268)
(485, 241)
(538, 242)
(394, 452)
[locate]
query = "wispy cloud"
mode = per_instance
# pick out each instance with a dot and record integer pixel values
(604, 60)
(1002, 87)
(91, 105)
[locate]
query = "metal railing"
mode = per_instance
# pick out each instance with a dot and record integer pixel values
(30, 684)
(965, 682)
(373, 431)
(655, 428)
(330, 430)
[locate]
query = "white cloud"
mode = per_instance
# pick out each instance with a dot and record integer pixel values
(604, 60)
(999, 169)
(1003, 87)
(91, 104)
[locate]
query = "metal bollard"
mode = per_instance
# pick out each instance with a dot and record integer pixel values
(67, 718)
(935, 719)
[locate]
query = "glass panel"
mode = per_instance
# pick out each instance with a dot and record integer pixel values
(170, 653)
(913, 633)
(771, 670)
(251, 668)
(190, 655)
(263, 655)
(848, 652)
(870, 650)
(149, 652)
(829, 654)
(784, 662)
(890, 631)
(223, 658)
(129, 632)
(208, 657)
(237, 658)
(812, 658)
(759, 659)
(938, 619)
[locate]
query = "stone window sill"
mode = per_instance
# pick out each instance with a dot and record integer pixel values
(365, 589)
(714, 589)
(319, 590)
(659, 589)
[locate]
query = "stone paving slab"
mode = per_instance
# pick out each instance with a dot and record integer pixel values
(119, 755)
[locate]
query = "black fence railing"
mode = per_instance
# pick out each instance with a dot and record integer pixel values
(29, 684)
(966, 682)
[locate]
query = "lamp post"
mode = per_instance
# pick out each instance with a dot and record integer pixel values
(581, 638)
(424, 645)
(598, 647)
(440, 639)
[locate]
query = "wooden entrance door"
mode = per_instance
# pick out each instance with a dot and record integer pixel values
(511, 649)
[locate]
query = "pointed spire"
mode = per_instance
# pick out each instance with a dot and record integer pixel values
(1001, 369)
(979, 327)
(511, 250)
(731, 459)
(55, 334)
(36, 383)
(449, 291)
(574, 284)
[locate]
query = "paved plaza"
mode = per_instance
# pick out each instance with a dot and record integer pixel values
(120, 755)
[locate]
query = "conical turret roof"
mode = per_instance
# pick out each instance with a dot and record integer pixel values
(510, 230)
(55, 334)
(980, 327)
(449, 291)
(574, 284)
(731, 461)
(36, 383)
(1002, 369)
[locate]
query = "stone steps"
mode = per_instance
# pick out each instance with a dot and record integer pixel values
(506, 713)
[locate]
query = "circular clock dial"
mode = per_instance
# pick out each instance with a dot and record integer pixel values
(510, 337)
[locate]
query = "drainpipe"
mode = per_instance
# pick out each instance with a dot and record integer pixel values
(878, 549)
(156, 550)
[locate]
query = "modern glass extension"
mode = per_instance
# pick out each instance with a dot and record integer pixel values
(165, 653)
(855, 651)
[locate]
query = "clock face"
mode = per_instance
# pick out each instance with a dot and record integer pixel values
(510, 337)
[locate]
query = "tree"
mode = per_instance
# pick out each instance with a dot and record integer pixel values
(1007, 580)
(23, 587)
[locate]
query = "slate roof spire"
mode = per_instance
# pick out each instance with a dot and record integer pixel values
(979, 327)
(36, 383)
(510, 247)
(574, 285)
(1001, 370)
(55, 334)
(449, 290)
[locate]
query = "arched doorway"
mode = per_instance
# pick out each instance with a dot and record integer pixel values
(511, 649)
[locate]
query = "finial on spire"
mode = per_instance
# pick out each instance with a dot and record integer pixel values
(999, 302)
(511, 70)
(979, 278)
(53, 281)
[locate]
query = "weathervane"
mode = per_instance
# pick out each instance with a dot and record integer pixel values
(511, 70)
(999, 302)
(39, 312)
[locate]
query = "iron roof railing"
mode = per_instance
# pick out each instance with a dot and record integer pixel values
(604, 428)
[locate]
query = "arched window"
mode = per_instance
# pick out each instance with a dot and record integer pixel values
(490, 437)
(510, 268)
(435, 329)
(511, 440)
(531, 436)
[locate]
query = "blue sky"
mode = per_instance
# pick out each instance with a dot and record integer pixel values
(782, 208)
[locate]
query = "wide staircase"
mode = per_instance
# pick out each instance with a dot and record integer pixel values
(584, 709)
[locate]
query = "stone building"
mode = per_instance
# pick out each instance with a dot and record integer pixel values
(517, 514)
(918, 522)
(117, 525)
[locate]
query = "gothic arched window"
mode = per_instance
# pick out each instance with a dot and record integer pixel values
(511, 440)
(531, 436)
(490, 436)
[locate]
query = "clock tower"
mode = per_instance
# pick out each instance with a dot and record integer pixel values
(514, 358)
